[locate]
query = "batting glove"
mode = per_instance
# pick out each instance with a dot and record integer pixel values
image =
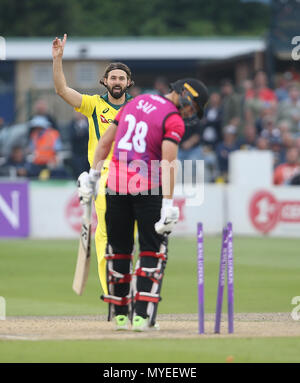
(169, 216)
(88, 184)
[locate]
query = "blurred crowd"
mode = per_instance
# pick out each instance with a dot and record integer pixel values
(248, 117)
(43, 149)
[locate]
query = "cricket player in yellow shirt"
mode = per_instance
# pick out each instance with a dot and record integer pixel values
(100, 111)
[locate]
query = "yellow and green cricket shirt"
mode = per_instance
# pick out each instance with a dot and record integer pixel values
(100, 113)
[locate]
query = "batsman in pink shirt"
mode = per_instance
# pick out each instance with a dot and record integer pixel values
(145, 133)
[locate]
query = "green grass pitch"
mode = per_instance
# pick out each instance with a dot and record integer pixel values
(36, 279)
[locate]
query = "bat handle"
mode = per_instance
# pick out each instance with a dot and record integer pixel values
(87, 212)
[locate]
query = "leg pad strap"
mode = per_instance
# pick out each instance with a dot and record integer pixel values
(147, 297)
(153, 254)
(114, 277)
(118, 256)
(152, 273)
(119, 301)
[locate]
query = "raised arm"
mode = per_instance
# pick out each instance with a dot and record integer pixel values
(70, 95)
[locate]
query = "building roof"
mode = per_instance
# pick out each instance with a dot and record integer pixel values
(216, 48)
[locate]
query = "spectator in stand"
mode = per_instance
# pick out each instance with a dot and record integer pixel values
(16, 165)
(297, 143)
(269, 128)
(254, 107)
(40, 108)
(243, 88)
(284, 127)
(224, 148)
(248, 141)
(262, 143)
(211, 136)
(259, 99)
(294, 73)
(287, 140)
(79, 137)
(290, 110)
(189, 147)
(161, 86)
(285, 172)
(267, 112)
(45, 143)
(278, 150)
(284, 83)
(261, 90)
(212, 121)
(231, 104)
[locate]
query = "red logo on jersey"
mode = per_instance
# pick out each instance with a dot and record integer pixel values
(266, 212)
(103, 119)
(73, 214)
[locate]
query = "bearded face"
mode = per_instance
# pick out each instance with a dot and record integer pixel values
(117, 83)
(116, 91)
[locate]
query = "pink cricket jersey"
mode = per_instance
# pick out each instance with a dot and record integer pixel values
(143, 124)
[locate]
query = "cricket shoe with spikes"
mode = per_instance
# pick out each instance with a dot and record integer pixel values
(141, 324)
(121, 322)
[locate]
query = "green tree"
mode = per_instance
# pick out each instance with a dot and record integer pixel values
(132, 18)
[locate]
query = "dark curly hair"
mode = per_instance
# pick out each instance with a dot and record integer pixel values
(117, 65)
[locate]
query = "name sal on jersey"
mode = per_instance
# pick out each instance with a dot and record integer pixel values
(145, 106)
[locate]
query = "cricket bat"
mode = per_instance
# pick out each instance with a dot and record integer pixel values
(84, 251)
